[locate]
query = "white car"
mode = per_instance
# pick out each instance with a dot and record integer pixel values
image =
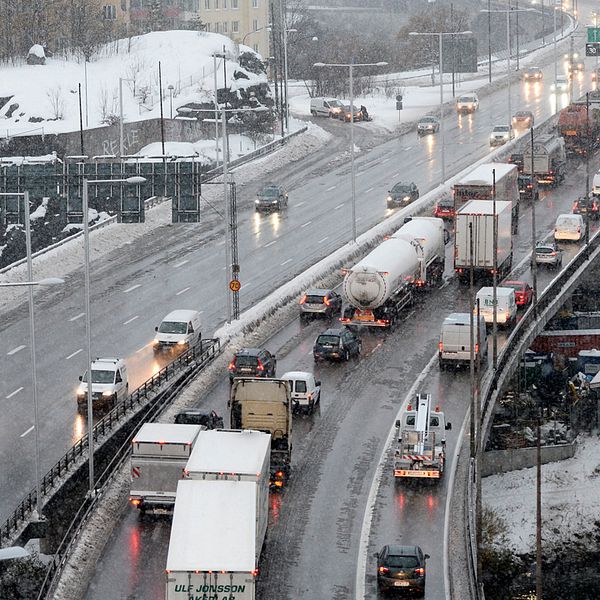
(569, 227)
(109, 384)
(306, 390)
(501, 134)
(180, 329)
(467, 103)
(561, 84)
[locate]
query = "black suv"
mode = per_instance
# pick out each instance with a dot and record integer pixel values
(402, 194)
(252, 362)
(194, 416)
(271, 197)
(401, 568)
(528, 188)
(336, 344)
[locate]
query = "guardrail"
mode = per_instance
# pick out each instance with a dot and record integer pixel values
(198, 357)
(471, 534)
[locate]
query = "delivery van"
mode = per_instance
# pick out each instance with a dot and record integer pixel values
(109, 384)
(506, 311)
(569, 227)
(179, 329)
(454, 347)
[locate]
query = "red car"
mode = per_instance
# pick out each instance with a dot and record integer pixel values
(523, 291)
(444, 209)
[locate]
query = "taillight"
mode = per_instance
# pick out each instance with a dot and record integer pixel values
(260, 366)
(326, 301)
(420, 571)
(441, 346)
(231, 365)
(303, 299)
(575, 205)
(476, 348)
(553, 254)
(255, 573)
(383, 570)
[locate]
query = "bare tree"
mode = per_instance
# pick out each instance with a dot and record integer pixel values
(57, 102)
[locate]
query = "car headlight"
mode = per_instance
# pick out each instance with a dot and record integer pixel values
(181, 343)
(389, 198)
(257, 201)
(81, 393)
(107, 393)
(155, 342)
(406, 198)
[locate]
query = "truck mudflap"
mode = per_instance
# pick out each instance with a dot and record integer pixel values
(365, 318)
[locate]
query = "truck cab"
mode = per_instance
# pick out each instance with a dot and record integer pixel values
(109, 384)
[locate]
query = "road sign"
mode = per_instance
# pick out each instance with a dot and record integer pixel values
(593, 34)
(592, 49)
(398, 105)
(235, 285)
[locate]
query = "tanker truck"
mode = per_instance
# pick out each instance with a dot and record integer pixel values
(383, 283)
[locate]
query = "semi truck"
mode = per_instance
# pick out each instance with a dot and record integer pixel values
(481, 183)
(421, 441)
(549, 160)
(266, 405)
(478, 216)
(159, 454)
(215, 541)
(382, 284)
(579, 125)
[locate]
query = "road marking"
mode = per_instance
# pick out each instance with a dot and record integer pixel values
(74, 354)
(358, 219)
(300, 203)
(14, 393)
(26, 432)
(15, 350)
(221, 243)
(369, 190)
(339, 206)
(325, 238)
(289, 260)
(183, 291)
(305, 224)
(133, 287)
(365, 532)
(77, 317)
(131, 320)
(331, 188)
(383, 160)
(142, 348)
(183, 262)
(270, 243)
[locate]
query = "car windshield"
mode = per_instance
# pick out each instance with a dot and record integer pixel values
(446, 203)
(522, 114)
(428, 120)
(334, 103)
(544, 250)
(314, 299)
(270, 192)
(401, 188)
(466, 99)
(301, 386)
(245, 361)
(501, 128)
(514, 286)
(100, 376)
(172, 327)
(331, 340)
(402, 562)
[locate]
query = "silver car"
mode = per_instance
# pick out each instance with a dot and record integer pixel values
(322, 302)
(428, 124)
(548, 253)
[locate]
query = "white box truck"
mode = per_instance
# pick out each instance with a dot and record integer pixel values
(235, 455)
(506, 305)
(160, 452)
(212, 550)
(480, 215)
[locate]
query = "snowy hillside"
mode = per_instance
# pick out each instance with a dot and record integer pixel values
(47, 95)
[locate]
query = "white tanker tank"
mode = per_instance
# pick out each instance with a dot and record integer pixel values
(383, 282)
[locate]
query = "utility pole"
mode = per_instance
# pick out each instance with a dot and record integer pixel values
(517, 32)
(538, 512)
(473, 430)
(489, 41)
(588, 149)
(495, 277)
(571, 74)
(533, 235)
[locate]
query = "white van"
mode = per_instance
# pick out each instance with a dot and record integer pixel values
(179, 329)
(109, 384)
(569, 227)
(325, 107)
(306, 390)
(506, 303)
(467, 103)
(454, 347)
(596, 184)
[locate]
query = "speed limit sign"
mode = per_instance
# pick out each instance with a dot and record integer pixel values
(235, 285)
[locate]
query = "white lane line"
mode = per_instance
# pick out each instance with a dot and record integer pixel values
(133, 287)
(26, 432)
(383, 160)
(131, 320)
(370, 189)
(289, 260)
(183, 291)
(339, 206)
(14, 393)
(142, 348)
(246, 284)
(15, 350)
(77, 317)
(183, 262)
(325, 238)
(74, 354)
(331, 188)
(365, 532)
(221, 243)
(270, 243)
(300, 203)
(358, 219)
(305, 224)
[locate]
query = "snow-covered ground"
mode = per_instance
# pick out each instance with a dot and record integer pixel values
(570, 492)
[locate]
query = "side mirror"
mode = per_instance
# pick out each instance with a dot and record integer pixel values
(81, 378)
(427, 556)
(273, 357)
(317, 383)
(397, 422)
(448, 426)
(156, 329)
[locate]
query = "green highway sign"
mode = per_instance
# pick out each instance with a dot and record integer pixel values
(593, 34)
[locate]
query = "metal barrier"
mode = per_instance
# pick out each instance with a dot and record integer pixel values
(471, 535)
(197, 357)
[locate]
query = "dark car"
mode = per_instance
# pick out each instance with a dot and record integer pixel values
(346, 113)
(401, 568)
(444, 209)
(320, 301)
(529, 188)
(271, 197)
(523, 291)
(586, 206)
(194, 416)
(252, 362)
(402, 194)
(336, 344)
(532, 74)
(516, 159)
(523, 118)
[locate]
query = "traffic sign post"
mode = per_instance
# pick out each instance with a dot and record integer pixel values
(593, 34)
(399, 105)
(235, 285)
(592, 49)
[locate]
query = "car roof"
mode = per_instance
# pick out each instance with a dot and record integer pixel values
(249, 351)
(402, 183)
(297, 375)
(514, 282)
(107, 363)
(402, 550)
(181, 315)
(317, 292)
(334, 331)
(428, 118)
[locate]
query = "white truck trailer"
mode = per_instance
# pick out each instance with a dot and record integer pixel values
(214, 545)
(478, 216)
(160, 452)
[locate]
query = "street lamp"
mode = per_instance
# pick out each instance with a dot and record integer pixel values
(171, 88)
(440, 35)
(29, 284)
(135, 180)
(351, 66)
(268, 28)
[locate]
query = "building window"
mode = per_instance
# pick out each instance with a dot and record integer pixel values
(255, 25)
(216, 4)
(109, 12)
(255, 48)
(224, 3)
(254, 3)
(235, 27)
(216, 28)
(207, 27)
(207, 4)
(225, 26)
(234, 3)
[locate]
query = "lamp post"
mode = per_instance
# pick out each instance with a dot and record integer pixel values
(170, 88)
(351, 65)
(88, 322)
(29, 284)
(440, 35)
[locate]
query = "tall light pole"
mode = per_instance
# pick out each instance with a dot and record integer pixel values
(170, 88)
(351, 65)
(440, 35)
(29, 284)
(88, 321)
